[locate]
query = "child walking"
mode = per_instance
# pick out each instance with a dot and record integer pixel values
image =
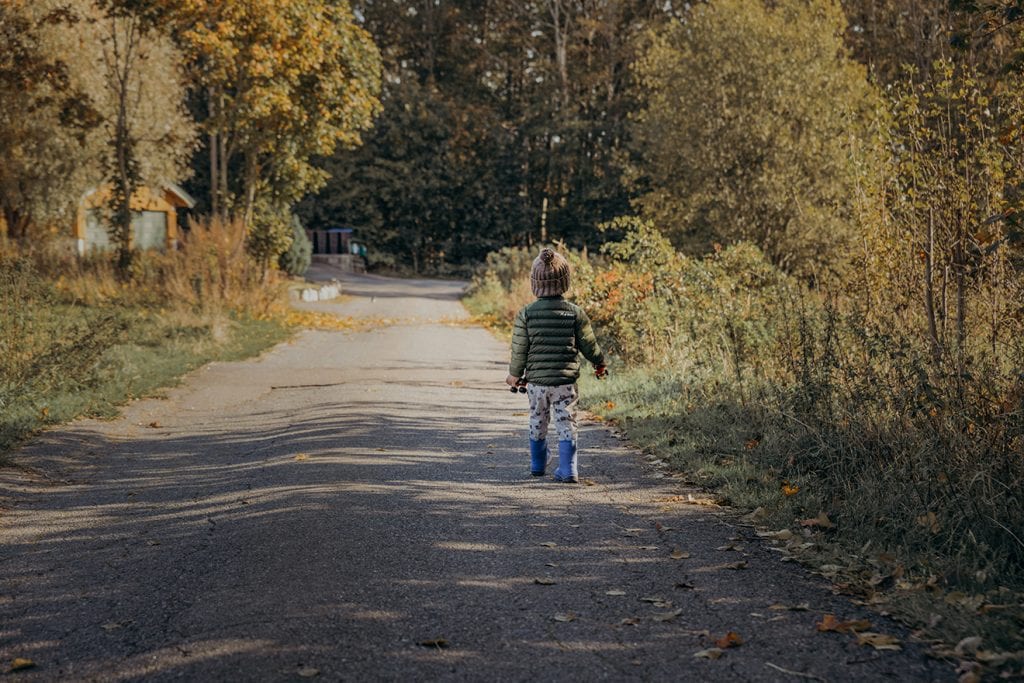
(547, 338)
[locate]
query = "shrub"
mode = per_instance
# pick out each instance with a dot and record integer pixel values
(296, 260)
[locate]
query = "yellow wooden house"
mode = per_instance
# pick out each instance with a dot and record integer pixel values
(155, 225)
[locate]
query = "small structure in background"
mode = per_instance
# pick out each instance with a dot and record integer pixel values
(155, 225)
(337, 247)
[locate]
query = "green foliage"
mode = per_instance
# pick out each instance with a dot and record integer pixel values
(500, 287)
(736, 142)
(270, 235)
(295, 261)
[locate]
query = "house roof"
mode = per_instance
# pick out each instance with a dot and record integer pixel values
(185, 197)
(177, 195)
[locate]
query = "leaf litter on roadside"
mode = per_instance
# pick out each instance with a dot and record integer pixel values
(730, 639)
(830, 623)
(879, 641)
(21, 664)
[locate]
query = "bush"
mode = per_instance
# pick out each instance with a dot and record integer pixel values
(295, 261)
(796, 401)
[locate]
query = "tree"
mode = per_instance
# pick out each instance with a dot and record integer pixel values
(954, 197)
(282, 82)
(757, 126)
(88, 97)
(46, 118)
(148, 134)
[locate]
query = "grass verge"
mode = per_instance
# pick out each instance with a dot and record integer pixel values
(122, 353)
(723, 448)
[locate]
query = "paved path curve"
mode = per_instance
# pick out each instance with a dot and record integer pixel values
(325, 509)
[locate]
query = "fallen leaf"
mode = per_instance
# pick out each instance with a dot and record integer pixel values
(830, 623)
(997, 658)
(564, 617)
(929, 521)
(730, 546)
(967, 646)
(114, 625)
(664, 604)
(549, 544)
(661, 527)
(550, 564)
(629, 621)
(667, 616)
(802, 607)
(154, 425)
(544, 582)
(879, 641)
(678, 554)
(780, 535)
(798, 674)
(685, 585)
(652, 599)
(730, 639)
(308, 672)
(610, 405)
(434, 642)
(821, 521)
(20, 664)
(648, 547)
(751, 444)
(302, 456)
(742, 564)
(615, 592)
(790, 489)
(710, 653)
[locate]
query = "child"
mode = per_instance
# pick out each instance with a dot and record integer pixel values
(548, 337)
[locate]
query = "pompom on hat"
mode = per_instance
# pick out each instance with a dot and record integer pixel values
(550, 274)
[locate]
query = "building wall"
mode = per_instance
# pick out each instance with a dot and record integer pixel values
(144, 200)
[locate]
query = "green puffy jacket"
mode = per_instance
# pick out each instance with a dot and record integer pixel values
(548, 337)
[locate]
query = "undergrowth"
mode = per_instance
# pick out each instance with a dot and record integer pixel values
(77, 340)
(900, 471)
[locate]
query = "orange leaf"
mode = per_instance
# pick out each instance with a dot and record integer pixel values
(730, 639)
(822, 521)
(830, 623)
(790, 489)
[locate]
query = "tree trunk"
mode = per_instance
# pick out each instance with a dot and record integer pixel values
(929, 293)
(214, 143)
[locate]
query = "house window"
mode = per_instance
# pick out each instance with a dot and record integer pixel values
(96, 236)
(149, 230)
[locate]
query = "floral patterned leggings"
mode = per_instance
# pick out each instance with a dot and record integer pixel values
(562, 399)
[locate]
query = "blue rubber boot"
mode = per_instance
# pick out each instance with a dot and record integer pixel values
(538, 457)
(566, 471)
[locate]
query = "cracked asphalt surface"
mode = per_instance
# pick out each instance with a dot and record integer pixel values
(325, 510)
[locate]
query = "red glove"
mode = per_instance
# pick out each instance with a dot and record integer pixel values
(600, 372)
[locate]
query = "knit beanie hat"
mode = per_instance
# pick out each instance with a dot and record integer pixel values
(550, 274)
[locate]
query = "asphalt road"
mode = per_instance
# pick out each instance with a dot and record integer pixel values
(357, 506)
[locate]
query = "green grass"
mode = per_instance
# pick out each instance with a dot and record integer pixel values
(138, 352)
(740, 451)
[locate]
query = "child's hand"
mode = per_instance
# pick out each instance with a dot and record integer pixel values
(512, 380)
(600, 372)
